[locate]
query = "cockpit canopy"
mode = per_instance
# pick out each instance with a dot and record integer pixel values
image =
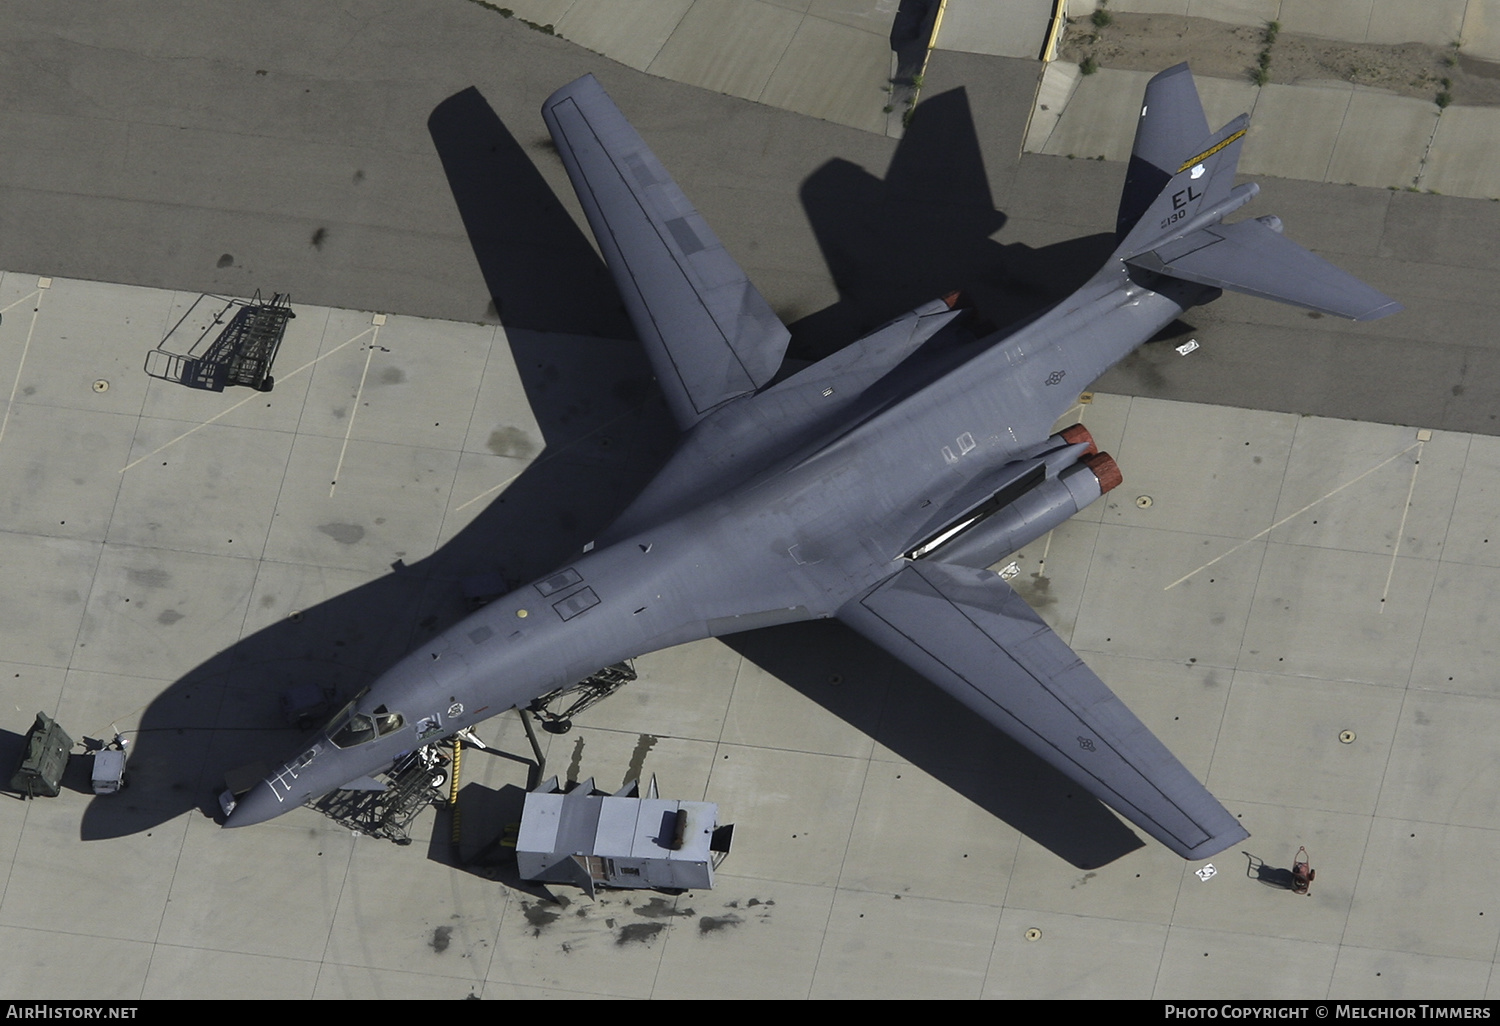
(349, 728)
(356, 730)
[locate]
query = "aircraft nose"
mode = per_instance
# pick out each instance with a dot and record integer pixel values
(255, 806)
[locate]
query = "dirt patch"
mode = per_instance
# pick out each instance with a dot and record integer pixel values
(661, 908)
(1152, 42)
(640, 933)
(713, 924)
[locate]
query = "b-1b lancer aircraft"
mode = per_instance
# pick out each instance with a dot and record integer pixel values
(874, 486)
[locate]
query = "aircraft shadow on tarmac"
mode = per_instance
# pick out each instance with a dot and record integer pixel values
(891, 244)
(923, 230)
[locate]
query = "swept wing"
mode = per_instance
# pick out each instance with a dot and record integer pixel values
(970, 634)
(710, 335)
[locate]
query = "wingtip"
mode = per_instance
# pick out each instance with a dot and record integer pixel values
(1217, 843)
(1385, 310)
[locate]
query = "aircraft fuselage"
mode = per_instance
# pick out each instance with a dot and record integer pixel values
(810, 507)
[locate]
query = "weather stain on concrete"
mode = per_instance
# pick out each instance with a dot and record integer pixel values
(441, 938)
(153, 578)
(539, 916)
(640, 932)
(1037, 593)
(511, 441)
(661, 908)
(168, 617)
(712, 924)
(344, 534)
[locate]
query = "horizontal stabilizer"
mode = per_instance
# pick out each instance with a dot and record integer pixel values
(1252, 258)
(971, 635)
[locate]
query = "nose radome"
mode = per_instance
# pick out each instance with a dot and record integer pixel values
(256, 806)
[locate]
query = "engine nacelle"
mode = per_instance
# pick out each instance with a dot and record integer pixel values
(987, 535)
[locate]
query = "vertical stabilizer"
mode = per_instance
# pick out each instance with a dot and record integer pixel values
(1200, 187)
(1172, 122)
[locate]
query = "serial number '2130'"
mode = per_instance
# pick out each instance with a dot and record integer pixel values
(1180, 200)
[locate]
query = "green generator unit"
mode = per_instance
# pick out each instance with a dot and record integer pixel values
(46, 759)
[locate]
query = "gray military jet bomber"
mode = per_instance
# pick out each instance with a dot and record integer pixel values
(874, 486)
